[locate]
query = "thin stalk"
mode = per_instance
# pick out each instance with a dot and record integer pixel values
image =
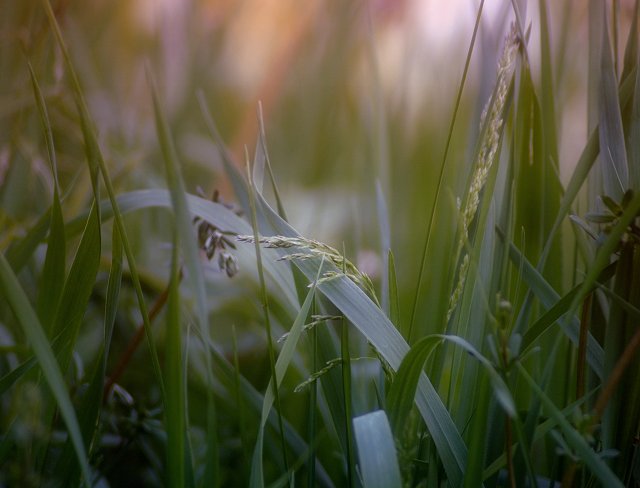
(239, 403)
(508, 443)
(313, 399)
(265, 308)
(614, 27)
(616, 374)
(346, 387)
(582, 345)
(136, 340)
(441, 174)
(504, 353)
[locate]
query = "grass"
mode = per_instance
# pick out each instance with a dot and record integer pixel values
(493, 343)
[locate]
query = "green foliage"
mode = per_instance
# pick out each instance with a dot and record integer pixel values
(465, 334)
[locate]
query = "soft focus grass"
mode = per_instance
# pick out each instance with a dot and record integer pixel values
(150, 335)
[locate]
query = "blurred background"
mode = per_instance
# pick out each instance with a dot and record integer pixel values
(352, 93)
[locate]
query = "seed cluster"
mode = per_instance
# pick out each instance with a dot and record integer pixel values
(492, 117)
(311, 248)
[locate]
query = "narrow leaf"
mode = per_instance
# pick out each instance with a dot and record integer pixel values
(615, 170)
(176, 399)
(17, 300)
(377, 456)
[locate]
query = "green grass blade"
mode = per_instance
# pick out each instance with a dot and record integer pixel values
(592, 461)
(17, 300)
(272, 179)
(53, 273)
(9, 379)
(260, 157)
(384, 229)
(175, 407)
(547, 88)
(402, 392)
(275, 384)
(313, 402)
(78, 288)
(557, 311)
(615, 170)
(377, 457)
(284, 358)
(500, 389)
(394, 301)
(478, 433)
(239, 184)
(195, 276)
(20, 251)
(631, 50)
(634, 129)
(346, 395)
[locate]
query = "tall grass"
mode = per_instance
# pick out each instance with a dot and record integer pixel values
(495, 344)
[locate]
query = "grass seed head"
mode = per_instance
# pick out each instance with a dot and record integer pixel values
(492, 117)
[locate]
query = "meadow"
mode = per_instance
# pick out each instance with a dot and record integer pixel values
(337, 280)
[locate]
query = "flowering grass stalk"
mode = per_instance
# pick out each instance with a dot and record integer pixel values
(492, 123)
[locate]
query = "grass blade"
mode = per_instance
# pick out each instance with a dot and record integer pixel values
(394, 301)
(377, 457)
(275, 384)
(615, 170)
(175, 407)
(78, 288)
(402, 393)
(53, 273)
(17, 300)
(195, 276)
(634, 128)
(500, 389)
(385, 248)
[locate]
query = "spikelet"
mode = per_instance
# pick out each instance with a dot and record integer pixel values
(492, 117)
(311, 248)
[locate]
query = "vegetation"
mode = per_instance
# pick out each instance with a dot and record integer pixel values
(151, 335)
